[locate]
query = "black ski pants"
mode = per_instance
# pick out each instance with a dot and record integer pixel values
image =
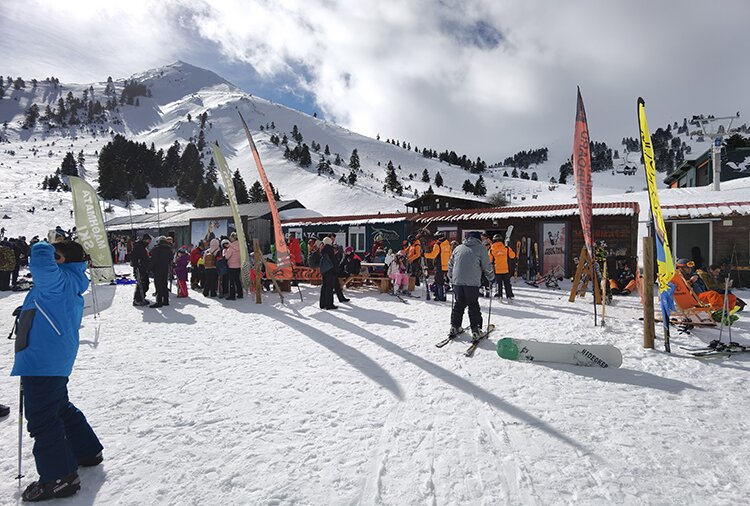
(235, 285)
(210, 282)
(504, 280)
(161, 280)
(416, 271)
(330, 279)
(141, 287)
(466, 296)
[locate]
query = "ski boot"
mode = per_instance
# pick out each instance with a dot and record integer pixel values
(454, 331)
(63, 487)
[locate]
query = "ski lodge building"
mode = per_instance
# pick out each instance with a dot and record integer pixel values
(556, 229)
(192, 225)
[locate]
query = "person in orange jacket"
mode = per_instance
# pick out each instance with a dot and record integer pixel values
(499, 255)
(441, 254)
(413, 256)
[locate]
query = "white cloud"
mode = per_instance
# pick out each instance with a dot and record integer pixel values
(485, 77)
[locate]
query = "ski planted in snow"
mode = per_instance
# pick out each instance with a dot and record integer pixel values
(475, 342)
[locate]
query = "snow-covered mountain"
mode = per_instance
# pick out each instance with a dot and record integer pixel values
(181, 91)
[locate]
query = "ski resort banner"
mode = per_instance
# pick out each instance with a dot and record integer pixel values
(283, 258)
(90, 231)
(664, 259)
(582, 173)
(205, 230)
(226, 178)
(554, 237)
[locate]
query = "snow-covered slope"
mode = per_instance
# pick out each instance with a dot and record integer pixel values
(180, 90)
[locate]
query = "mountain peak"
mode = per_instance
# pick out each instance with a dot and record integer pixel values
(179, 79)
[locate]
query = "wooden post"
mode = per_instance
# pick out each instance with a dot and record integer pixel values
(579, 273)
(648, 293)
(258, 257)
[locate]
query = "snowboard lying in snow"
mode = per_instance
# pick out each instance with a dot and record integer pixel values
(591, 355)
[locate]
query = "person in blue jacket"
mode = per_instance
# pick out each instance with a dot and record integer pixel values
(46, 348)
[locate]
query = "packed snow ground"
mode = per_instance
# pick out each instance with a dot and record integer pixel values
(217, 402)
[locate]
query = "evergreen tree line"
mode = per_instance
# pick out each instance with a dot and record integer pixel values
(84, 109)
(524, 159)
(426, 179)
(522, 174)
(479, 188)
(447, 156)
(69, 167)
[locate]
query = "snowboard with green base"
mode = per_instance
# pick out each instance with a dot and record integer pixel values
(590, 355)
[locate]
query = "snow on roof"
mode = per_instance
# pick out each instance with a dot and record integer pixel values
(560, 210)
(182, 218)
(362, 219)
(708, 210)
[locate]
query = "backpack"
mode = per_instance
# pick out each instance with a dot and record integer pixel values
(313, 260)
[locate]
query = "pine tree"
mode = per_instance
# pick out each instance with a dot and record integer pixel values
(352, 177)
(354, 160)
(69, 166)
(322, 165)
(192, 176)
(240, 189)
(206, 195)
(479, 188)
(211, 171)
(305, 159)
(338, 161)
(514, 173)
(425, 176)
(391, 180)
(81, 159)
(201, 141)
(171, 170)
(2, 94)
(438, 180)
(220, 198)
(468, 187)
(32, 114)
(429, 191)
(327, 151)
(257, 193)
(342, 179)
(276, 195)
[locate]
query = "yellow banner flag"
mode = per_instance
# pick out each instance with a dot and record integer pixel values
(664, 260)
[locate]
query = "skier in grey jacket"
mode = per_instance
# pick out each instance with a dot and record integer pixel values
(465, 268)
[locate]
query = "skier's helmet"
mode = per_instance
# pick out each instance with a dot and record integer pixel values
(497, 237)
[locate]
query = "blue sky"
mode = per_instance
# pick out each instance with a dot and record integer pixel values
(484, 77)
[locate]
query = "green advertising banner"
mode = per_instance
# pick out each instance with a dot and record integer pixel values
(90, 231)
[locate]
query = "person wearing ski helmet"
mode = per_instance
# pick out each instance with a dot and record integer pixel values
(465, 268)
(500, 256)
(45, 351)
(440, 254)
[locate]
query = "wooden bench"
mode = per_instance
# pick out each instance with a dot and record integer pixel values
(381, 281)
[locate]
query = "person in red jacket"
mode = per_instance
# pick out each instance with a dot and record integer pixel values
(295, 251)
(195, 256)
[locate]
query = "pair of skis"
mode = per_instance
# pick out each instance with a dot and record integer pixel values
(474, 342)
(717, 349)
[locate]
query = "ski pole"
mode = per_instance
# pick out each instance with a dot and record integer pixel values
(489, 315)
(20, 428)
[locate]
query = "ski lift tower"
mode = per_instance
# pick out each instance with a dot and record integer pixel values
(716, 134)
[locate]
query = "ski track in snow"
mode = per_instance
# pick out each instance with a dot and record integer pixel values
(212, 402)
